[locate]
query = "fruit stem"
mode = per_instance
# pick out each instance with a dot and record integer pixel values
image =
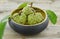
(31, 4)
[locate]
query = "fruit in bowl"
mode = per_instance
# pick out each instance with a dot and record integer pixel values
(28, 20)
(28, 16)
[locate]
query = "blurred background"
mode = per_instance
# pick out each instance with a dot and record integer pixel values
(6, 6)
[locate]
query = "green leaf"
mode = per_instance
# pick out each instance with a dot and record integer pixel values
(3, 23)
(52, 16)
(22, 5)
(2, 27)
(19, 7)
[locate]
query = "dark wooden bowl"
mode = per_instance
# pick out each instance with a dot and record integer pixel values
(29, 29)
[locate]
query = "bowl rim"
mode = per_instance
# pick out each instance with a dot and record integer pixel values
(33, 24)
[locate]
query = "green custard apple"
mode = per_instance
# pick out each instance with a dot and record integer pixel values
(39, 17)
(31, 19)
(20, 18)
(16, 18)
(35, 18)
(27, 10)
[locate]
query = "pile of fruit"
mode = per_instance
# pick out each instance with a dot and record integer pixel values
(28, 16)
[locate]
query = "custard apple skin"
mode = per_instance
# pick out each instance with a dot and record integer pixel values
(27, 10)
(16, 18)
(20, 18)
(31, 19)
(38, 17)
(35, 18)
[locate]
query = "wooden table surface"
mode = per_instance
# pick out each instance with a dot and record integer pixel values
(51, 32)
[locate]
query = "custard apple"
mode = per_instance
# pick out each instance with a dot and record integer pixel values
(31, 19)
(38, 17)
(27, 10)
(20, 18)
(16, 18)
(35, 18)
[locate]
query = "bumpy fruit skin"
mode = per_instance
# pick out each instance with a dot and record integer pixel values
(28, 16)
(38, 17)
(16, 18)
(27, 10)
(31, 19)
(20, 18)
(35, 18)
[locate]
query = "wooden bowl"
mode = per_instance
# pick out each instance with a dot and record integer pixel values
(29, 29)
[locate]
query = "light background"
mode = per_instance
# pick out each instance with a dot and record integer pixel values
(51, 32)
